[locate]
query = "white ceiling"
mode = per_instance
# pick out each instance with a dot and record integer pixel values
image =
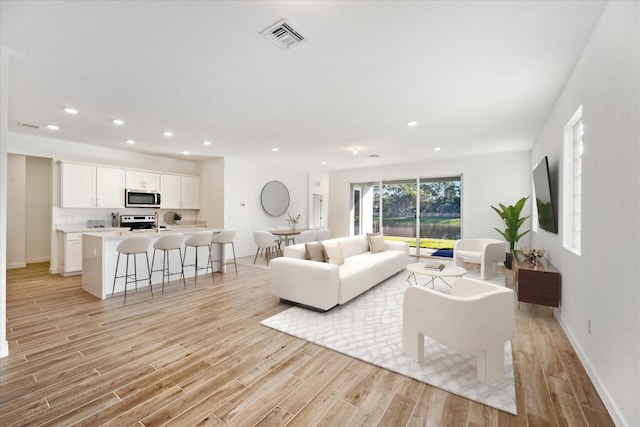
(477, 76)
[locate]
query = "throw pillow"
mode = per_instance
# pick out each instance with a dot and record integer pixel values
(314, 251)
(333, 253)
(376, 242)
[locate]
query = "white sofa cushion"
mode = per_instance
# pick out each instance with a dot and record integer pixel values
(353, 245)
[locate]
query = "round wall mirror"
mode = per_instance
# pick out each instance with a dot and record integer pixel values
(275, 198)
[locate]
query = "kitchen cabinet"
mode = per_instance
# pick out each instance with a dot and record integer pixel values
(69, 253)
(142, 180)
(91, 186)
(180, 192)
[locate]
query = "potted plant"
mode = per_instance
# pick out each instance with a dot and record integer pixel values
(512, 222)
(177, 217)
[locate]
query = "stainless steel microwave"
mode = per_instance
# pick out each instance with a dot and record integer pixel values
(141, 199)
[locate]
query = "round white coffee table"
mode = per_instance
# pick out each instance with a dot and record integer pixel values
(449, 270)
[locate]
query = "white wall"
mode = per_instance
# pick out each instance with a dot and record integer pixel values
(212, 192)
(243, 182)
(4, 110)
(602, 284)
(16, 211)
(486, 180)
(38, 203)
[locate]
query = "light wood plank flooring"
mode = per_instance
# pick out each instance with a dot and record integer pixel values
(200, 357)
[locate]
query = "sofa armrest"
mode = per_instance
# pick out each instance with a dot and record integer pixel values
(311, 283)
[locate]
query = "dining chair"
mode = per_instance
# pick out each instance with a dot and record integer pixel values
(322, 234)
(266, 242)
(307, 236)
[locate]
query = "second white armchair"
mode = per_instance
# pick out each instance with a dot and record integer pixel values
(484, 251)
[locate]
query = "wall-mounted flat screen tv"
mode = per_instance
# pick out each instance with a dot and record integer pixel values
(545, 202)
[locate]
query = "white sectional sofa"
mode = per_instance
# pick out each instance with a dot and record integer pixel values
(323, 285)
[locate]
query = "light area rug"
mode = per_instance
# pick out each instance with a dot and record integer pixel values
(369, 328)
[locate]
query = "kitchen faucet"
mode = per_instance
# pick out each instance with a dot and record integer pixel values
(157, 219)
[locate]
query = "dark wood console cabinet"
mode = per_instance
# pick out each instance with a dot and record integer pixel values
(538, 284)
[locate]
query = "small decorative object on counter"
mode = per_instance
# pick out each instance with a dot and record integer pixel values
(177, 217)
(114, 219)
(293, 221)
(533, 255)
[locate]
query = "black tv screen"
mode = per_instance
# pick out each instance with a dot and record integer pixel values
(545, 203)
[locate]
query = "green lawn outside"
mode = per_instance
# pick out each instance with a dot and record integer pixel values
(425, 243)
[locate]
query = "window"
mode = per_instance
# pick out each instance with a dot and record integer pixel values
(572, 178)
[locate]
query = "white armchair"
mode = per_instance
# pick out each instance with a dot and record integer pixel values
(477, 317)
(484, 251)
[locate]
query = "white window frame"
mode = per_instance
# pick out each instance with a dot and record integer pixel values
(572, 183)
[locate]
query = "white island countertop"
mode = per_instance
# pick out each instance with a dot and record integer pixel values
(99, 258)
(122, 233)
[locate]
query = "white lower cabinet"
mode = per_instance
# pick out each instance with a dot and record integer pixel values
(69, 253)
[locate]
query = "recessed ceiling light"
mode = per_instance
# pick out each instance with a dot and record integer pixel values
(412, 123)
(118, 122)
(437, 149)
(274, 149)
(130, 141)
(53, 127)
(324, 163)
(167, 133)
(206, 142)
(71, 110)
(185, 152)
(355, 151)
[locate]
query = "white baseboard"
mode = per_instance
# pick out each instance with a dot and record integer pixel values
(35, 260)
(16, 265)
(617, 417)
(4, 348)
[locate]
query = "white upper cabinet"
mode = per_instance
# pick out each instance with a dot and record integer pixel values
(91, 186)
(180, 192)
(142, 180)
(170, 191)
(109, 187)
(190, 192)
(78, 185)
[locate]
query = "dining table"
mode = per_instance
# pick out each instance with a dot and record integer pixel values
(287, 234)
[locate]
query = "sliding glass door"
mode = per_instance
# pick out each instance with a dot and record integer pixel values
(440, 221)
(424, 212)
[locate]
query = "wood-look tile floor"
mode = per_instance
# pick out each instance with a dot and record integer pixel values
(200, 357)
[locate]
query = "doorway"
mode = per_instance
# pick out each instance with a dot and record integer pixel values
(29, 208)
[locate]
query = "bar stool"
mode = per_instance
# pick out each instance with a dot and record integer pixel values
(167, 243)
(222, 238)
(132, 246)
(197, 240)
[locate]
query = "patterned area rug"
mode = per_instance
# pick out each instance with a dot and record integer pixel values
(369, 328)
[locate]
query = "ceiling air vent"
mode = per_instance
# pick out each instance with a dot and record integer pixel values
(28, 125)
(283, 35)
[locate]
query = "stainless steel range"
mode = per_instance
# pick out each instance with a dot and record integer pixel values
(138, 222)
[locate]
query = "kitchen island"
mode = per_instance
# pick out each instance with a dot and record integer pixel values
(99, 258)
